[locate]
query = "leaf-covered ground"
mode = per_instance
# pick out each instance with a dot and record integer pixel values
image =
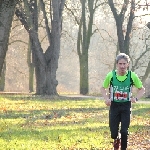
(61, 123)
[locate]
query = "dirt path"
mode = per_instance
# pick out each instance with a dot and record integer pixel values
(97, 97)
(72, 96)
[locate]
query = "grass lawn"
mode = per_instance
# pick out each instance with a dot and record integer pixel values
(42, 123)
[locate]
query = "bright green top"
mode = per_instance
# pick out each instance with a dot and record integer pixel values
(121, 91)
(136, 81)
(120, 87)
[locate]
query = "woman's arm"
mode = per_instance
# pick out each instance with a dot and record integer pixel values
(106, 96)
(139, 94)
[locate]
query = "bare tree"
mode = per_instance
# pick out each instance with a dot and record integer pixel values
(46, 63)
(123, 35)
(85, 32)
(127, 13)
(7, 9)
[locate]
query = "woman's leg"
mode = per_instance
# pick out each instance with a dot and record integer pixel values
(114, 120)
(125, 122)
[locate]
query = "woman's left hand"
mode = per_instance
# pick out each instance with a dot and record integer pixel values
(133, 100)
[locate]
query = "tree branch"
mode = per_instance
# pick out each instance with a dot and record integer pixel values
(72, 12)
(46, 21)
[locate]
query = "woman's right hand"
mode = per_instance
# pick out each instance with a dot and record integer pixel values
(108, 102)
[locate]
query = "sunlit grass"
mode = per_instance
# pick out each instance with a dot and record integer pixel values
(60, 123)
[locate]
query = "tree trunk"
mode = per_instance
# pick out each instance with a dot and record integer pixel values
(83, 42)
(31, 50)
(84, 78)
(46, 64)
(129, 28)
(120, 35)
(123, 41)
(7, 8)
(2, 79)
(31, 67)
(54, 48)
(39, 63)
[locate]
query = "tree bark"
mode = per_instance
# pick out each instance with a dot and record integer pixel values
(123, 41)
(84, 84)
(83, 42)
(46, 64)
(7, 9)
(2, 79)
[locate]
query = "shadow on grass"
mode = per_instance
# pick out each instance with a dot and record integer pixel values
(49, 113)
(58, 113)
(139, 128)
(60, 135)
(144, 112)
(52, 134)
(44, 124)
(47, 97)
